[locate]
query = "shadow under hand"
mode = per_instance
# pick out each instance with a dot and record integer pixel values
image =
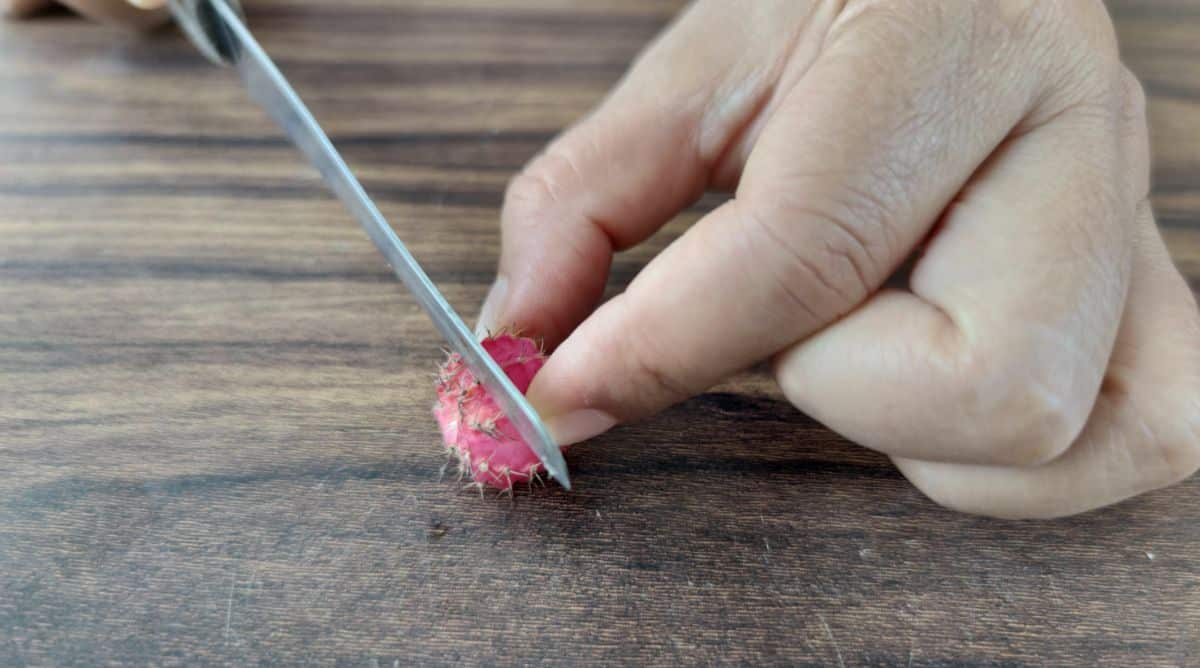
(719, 436)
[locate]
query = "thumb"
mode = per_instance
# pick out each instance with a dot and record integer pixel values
(826, 208)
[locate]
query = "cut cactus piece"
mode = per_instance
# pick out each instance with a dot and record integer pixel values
(474, 429)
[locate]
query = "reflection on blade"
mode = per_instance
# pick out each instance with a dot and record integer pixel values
(265, 83)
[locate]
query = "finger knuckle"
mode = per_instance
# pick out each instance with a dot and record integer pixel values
(527, 192)
(542, 183)
(1133, 98)
(1183, 457)
(1020, 15)
(1073, 46)
(1024, 416)
(1179, 451)
(1016, 26)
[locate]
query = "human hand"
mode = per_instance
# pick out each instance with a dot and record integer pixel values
(1045, 357)
(132, 13)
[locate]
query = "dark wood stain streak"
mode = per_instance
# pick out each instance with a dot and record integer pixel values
(486, 199)
(50, 272)
(478, 19)
(216, 444)
(302, 71)
(75, 269)
(209, 142)
(65, 492)
(166, 270)
(482, 74)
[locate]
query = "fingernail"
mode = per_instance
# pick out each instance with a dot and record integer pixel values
(147, 4)
(579, 426)
(492, 306)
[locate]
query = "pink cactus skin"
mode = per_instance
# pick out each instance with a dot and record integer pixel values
(474, 429)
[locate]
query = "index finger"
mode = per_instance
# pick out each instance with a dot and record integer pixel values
(644, 154)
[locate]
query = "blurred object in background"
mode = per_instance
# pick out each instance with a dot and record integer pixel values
(139, 14)
(22, 7)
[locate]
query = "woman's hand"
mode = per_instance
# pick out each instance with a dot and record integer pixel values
(1045, 357)
(132, 13)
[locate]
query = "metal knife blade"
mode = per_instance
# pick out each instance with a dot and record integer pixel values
(216, 28)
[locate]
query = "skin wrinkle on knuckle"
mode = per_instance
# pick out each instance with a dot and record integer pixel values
(1087, 59)
(527, 193)
(836, 263)
(880, 205)
(858, 249)
(782, 281)
(859, 223)
(1024, 19)
(1149, 453)
(885, 20)
(657, 371)
(1010, 49)
(537, 186)
(1061, 48)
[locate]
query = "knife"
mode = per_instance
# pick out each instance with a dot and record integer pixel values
(217, 29)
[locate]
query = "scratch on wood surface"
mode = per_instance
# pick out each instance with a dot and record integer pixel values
(832, 640)
(250, 582)
(1184, 645)
(229, 604)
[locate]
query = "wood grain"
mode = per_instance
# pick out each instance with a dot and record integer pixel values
(215, 443)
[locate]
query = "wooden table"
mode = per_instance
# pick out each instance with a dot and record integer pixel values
(215, 439)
